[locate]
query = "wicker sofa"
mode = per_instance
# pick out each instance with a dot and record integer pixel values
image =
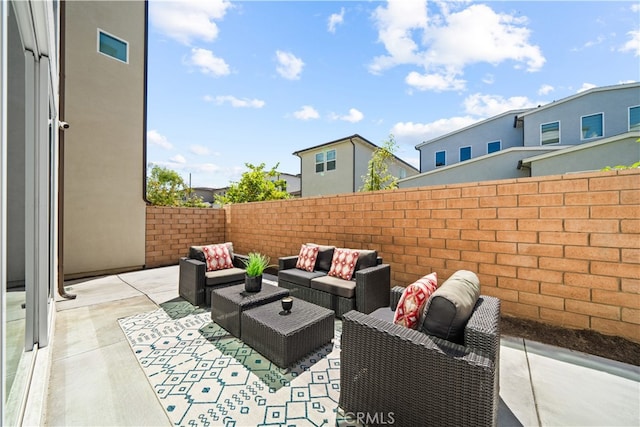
(367, 290)
(195, 282)
(420, 379)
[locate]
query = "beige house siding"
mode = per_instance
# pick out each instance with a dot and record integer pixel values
(335, 181)
(104, 146)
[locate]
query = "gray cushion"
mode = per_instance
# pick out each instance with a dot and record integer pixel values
(366, 259)
(451, 305)
(195, 252)
(325, 256)
(298, 276)
(335, 286)
(226, 275)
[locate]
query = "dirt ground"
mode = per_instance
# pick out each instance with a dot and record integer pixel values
(614, 348)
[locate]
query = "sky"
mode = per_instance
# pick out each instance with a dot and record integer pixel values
(237, 82)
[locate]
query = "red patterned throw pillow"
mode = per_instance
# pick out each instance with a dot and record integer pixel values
(414, 297)
(343, 263)
(217, 257)
(307, 258)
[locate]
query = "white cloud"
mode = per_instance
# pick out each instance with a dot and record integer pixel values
(545, 89)
(208, 63)
(585, 86)
(188, 20)
(425, 131)
(206, 168)
(199, 150)
(154, 137)
(178, 158)
(289, 66)
(633, 44)
(434, 82)
(396, 24)
(335, 19)
(489, 79)
(354, 116)
(239, 103)
(307, 112)
(477, 107)
(444, 44)
(493, 105)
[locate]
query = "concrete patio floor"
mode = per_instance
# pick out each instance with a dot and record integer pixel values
(95, 379)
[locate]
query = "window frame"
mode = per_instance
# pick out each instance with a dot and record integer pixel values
(126, 43)
(319, 162)
(636, 127)
(582, 133)
(460, 153)
(542, 140)
(331, 162)
(435, 159)
(494, 142)
(326, 161)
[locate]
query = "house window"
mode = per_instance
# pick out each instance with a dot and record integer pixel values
(634, 118)
(493, 146)
(329, 164)
(403, 173)
(441, 158)
(550, 133)
(113, 46)
(331, 160)
(319, 162)
(465, 153)
(592, 126)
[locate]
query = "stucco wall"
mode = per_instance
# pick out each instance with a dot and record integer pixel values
(103, 163)
(619, 150)
(563, 249)
(339, 180)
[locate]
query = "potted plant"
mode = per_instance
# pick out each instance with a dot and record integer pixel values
(255, 264)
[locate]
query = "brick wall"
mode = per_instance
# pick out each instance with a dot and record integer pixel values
(563, 250)
(170, 232)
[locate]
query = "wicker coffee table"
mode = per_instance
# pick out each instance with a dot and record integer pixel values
(227, 304)
(286, 338)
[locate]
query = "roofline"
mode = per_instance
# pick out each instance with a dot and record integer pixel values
(349, 138)
(580, 94)
(478, 123)
(583, 146)
(478, 159)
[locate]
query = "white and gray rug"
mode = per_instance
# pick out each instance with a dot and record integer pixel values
(203, 376)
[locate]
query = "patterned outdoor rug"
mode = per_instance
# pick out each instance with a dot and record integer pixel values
(203, 376)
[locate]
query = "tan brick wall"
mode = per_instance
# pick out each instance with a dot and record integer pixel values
(563, 250)
(170, 232)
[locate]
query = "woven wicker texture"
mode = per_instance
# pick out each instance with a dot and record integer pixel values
(285, 338)
(227, 304)
(422, 380)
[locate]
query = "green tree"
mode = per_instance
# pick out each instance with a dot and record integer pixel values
(255, 185)
(378, 176)
(165, 187)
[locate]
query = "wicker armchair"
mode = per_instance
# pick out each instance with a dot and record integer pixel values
(421, 380)
(195, 283)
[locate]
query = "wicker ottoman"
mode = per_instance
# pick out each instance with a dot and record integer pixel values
(227, 304)
(286, 338)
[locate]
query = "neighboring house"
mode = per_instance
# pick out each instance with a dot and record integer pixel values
(338, 166)
(73, 129)
(205, 193)
(292, 182)
(586, 131)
